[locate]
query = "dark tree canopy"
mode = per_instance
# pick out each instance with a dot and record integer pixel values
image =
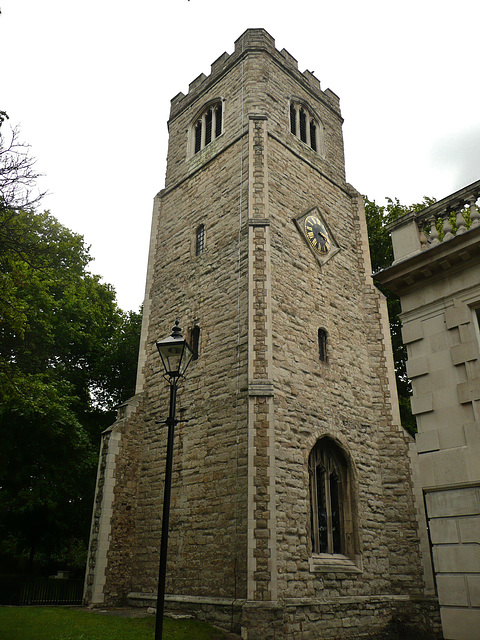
(67, 358)
(381, 253)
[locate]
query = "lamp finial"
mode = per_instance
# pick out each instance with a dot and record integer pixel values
(176, 331)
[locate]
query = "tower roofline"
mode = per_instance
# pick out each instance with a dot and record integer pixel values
(253, 40)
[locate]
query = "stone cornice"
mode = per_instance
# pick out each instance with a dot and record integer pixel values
(433, 263)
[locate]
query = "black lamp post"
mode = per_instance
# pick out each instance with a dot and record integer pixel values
(176, 354)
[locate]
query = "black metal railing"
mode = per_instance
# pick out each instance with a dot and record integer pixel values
(20, 590)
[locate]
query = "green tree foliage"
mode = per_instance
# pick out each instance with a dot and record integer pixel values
(67, 357)
(114, 380)
(381, 252)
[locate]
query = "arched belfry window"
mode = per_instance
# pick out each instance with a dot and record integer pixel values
(207, 126)
(306, 126)
(331, 519)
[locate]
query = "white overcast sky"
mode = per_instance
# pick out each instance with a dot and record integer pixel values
(89, 84)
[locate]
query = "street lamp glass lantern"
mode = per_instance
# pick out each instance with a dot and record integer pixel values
(175, 353)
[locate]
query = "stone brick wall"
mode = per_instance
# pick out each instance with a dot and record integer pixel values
(347, 397)
(208, 518)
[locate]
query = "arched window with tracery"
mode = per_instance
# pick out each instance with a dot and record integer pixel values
(306, 126)
(207, 126)
(331, 509)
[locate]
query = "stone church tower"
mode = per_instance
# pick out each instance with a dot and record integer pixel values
(293, 514)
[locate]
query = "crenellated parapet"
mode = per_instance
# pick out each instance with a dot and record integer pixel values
(253, 40)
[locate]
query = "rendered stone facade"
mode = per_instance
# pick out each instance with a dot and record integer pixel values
(438, 281)
(259, 399)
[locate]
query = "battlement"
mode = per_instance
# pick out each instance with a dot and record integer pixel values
(252, 40)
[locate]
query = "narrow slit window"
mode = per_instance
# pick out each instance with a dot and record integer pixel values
(200, 240)
(195, 342)
(322, 345)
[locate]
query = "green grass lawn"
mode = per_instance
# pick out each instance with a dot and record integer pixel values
(62, 623)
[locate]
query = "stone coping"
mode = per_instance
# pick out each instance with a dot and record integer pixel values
(147, 598)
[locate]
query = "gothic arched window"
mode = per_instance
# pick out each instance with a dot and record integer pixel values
(331, 521)
(207, 126)
(304, 125)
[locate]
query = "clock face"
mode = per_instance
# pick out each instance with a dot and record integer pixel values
(317, 235)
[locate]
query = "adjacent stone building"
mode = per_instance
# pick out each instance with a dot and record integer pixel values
(293, 513)
(436, 273)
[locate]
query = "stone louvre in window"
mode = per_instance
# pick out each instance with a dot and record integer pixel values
(208, 126)
(313, 135)
(305, 126)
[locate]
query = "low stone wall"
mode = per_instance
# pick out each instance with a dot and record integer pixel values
(372, 618)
